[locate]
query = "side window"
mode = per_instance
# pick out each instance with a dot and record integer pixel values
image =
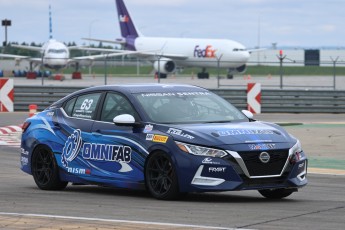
(69, 106)
(114, 105)
(85, 106)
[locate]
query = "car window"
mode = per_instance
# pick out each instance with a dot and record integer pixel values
(188, 107)
(69, 106)
(85, 106)
(114, 105)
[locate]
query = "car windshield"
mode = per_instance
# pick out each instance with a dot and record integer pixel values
(188, 107)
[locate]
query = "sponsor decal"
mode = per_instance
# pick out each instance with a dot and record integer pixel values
(301, 165)
(79, 171)
(216, 169)
(209, 160)
(234, 132)
(148, 128)
(256, 141)
(24, 161)
(261, 146)
(264, 157)
(149, 137)
(102, 152)
(175, 94)
(24, 152)
(94, 151)
(160, 139)
(179, 132)
(50, 114)
(208, 52)
(71, 149)
(84, 110)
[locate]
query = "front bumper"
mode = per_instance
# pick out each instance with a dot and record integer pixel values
(239, 172)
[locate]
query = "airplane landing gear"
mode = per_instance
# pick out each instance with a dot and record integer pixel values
(230, 76)
(203, 74)
(161, 75)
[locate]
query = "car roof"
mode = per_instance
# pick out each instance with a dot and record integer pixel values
(147, 88)
(136, 88)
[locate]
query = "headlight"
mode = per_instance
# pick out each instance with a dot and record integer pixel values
(200, 151)
(297, 153)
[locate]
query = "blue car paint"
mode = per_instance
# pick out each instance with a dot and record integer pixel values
(53, 128)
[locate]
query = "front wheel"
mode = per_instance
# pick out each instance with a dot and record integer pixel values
(160, 177)
(276, 193)
(45, 170)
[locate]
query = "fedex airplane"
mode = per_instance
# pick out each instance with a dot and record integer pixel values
(167, 53)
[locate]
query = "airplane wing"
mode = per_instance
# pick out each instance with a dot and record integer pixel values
(34, 48)
(117, 41)
(256, 50)
(19, 58)
(100, 56)
(142, 53)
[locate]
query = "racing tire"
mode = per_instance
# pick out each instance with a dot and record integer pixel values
(45, 170)
(160, 177)
(276, 193)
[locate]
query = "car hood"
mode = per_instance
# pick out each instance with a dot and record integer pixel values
(218, 134)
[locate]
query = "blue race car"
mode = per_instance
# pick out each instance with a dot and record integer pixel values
(168, 139)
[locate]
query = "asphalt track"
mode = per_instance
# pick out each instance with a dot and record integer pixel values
(320, 205)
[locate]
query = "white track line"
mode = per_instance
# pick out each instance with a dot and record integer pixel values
(117, 221)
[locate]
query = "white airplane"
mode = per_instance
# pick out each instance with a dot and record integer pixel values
(54, 54)
(184, 52)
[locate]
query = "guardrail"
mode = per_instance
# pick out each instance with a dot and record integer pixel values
(272, 101)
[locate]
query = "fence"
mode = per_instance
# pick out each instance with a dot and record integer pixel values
(272, 100)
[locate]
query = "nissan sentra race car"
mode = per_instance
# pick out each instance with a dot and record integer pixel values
(168, 139)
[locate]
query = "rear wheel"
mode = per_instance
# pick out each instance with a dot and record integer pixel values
(160, 176)
(276, 193)
(45, 170)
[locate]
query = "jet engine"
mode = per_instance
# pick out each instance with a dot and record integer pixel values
(164, 65)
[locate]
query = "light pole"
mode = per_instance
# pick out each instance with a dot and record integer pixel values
(6, 23)
(218, 68)
(281, 58)
(334, 70)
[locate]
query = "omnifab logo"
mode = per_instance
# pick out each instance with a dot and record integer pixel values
(208, 52)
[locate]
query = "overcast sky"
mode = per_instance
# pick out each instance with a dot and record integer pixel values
(302, 23)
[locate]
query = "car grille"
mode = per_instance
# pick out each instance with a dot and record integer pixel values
(257, 168)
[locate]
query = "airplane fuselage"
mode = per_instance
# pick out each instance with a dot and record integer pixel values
(199, 52)
(55, 55)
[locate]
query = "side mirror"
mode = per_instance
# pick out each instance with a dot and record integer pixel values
(248, 114)
(124, 120)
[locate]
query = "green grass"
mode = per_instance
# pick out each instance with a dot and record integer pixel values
(252, 70)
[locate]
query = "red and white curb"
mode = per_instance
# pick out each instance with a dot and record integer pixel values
(10, 135)
(10, 129)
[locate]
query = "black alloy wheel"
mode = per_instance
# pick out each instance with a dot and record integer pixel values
(160, 176)
(45, 170)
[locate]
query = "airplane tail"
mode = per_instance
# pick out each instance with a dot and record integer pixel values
(127, 26)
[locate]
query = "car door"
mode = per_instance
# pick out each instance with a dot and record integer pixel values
(72, 125)
(117, 151)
